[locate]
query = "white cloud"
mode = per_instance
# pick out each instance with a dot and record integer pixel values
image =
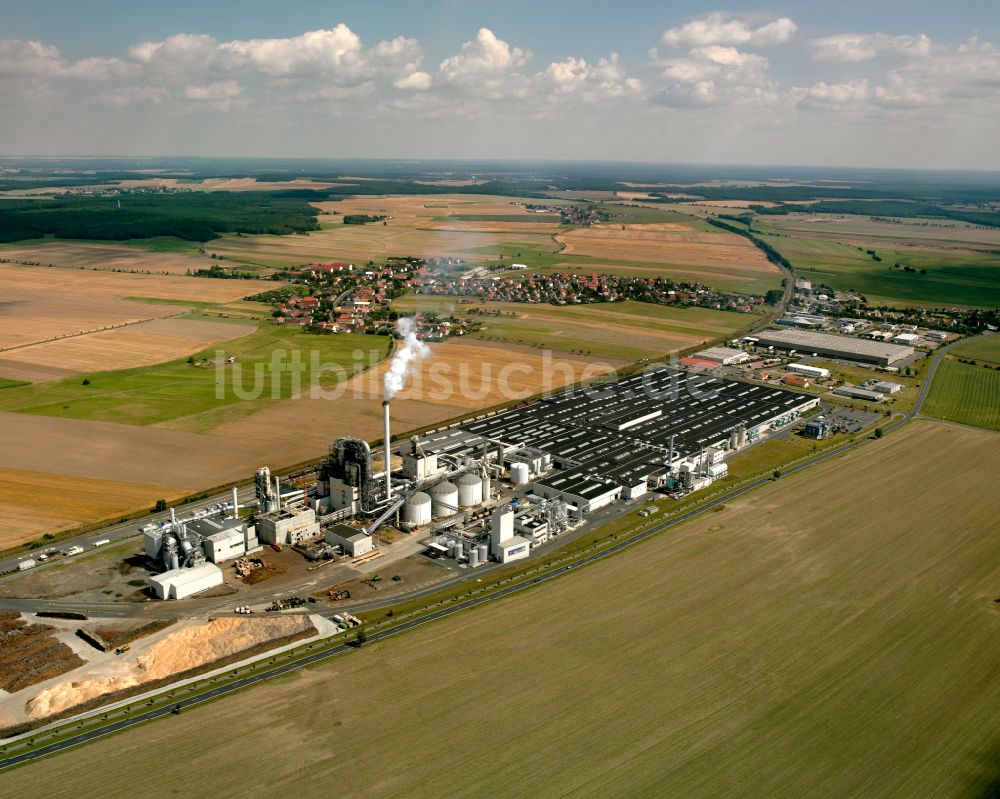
(718, 28)
(133, 95)
(714, 74)
(853, 47)
(415, 81)
(486, 56)
(20, 59)
(587, 82)
(335, 54)
(218, 96)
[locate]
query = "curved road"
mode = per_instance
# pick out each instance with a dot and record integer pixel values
(320, 653)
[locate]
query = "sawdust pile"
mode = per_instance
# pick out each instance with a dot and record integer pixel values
(180, 651)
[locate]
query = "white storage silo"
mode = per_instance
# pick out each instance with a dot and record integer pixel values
(487, 488)
(484, 553)
(470, 490)
(473, 557)
(444, 499)
(417, 509)
(519, 473)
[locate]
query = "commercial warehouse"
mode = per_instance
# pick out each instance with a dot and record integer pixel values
(854, 349)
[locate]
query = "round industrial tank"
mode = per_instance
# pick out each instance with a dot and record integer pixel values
(473, 557)
(470, 490)
(487, 488)
(444, 499)
(456, 550)
(519, 473)
(484, 553)
(417, 509)
(734, 440)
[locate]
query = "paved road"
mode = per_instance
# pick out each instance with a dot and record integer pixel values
(321, 653)
(309, 658)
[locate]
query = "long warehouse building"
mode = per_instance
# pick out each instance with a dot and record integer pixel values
(854, 349)
(616, 440)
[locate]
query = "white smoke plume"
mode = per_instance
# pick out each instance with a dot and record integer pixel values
(406, 356)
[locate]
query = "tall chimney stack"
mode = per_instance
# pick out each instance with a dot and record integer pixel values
(236, 503)
(388, 468)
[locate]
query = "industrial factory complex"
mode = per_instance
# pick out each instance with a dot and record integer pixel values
(491, 488)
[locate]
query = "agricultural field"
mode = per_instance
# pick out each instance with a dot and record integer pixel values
(484, 229)
(33, 503)
(160, 256)
(833, 634)
(459, 376)
(620, 332)
(272, 363)
(78, 306)
(956, 275)
(965, 393)
(980, 348)
(680, 249)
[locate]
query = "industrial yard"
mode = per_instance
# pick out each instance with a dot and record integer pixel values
(760, 608)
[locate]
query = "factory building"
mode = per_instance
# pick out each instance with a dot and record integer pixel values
(354, 542)
(182, 583)
(224, 539)
(854, 392)
(888, 387)
(724, 356)
(853, 349)
(907, 339)
(806, 369)
(287, 526)
(505, 546)
(818, 428)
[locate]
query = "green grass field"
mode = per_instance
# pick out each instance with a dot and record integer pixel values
(967, 394)
(952, 278)
(981, 348)
(177, 389)
(6, 382)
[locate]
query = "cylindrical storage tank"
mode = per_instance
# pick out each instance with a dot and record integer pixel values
(734, 440)
(444, 499)
(456, 550)
(519, 473)
(473, 557)
(484, 553)
(742, 437)
(417, 509)
(470, 490)
(487, 488)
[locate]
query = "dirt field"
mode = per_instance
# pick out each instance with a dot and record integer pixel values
(40, 303)
(458, 377)
(665, 243)
(831, 635)
(106, 257)
(32, 503)
(143, 344)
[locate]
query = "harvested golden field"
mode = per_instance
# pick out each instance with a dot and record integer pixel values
(833, 634)
(40, 303)
(459, 377)
(82, 255)
(662, 243)
(419, 225)
(32, 503)
(130, 453)
(142, 344)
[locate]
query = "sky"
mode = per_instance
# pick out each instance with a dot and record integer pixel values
(881, 83)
